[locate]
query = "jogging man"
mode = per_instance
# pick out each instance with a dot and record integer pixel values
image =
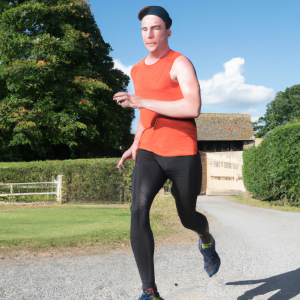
(167, 93)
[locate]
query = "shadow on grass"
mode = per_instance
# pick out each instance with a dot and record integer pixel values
(288, 285)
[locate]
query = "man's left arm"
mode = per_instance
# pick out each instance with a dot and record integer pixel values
(188, 107)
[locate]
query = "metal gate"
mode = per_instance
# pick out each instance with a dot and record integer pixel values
(26, 189)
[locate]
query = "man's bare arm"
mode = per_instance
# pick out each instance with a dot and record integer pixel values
(188, 107)
(131, 152)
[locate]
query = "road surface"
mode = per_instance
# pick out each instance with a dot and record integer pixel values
(259, 249)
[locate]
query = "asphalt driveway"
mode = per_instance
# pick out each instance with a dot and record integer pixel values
(259, 249)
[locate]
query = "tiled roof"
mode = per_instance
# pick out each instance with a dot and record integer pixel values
(224, 127)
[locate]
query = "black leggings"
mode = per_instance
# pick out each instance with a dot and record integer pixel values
(150, 173)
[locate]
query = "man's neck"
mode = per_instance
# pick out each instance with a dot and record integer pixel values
(156, 55)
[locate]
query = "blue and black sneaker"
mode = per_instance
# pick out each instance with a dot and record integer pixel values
(151, 294)
(212, 260)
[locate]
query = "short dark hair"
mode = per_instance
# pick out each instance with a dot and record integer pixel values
(167, 26)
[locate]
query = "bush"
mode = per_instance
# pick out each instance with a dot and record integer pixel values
(249, 169)
(271, 170)
(86, 180)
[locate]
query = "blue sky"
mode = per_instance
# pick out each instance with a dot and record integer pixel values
(244, 52)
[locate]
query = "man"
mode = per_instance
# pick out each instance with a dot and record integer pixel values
(167, 93)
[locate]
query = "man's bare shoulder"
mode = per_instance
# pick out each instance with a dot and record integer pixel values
(182, 62)
(183, 68)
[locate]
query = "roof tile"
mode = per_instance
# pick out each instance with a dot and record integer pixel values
(224, 127)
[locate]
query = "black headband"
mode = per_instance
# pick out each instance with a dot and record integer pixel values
(156, 11)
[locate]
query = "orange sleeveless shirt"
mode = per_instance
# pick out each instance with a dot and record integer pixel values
(164, 136)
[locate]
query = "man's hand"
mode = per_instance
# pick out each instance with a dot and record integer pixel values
(130, 153)
(128, 100)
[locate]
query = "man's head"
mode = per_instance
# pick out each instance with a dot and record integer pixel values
(156, 24)
(156, 11)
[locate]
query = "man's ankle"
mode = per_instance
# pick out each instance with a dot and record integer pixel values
(205, 239)
(151, 291)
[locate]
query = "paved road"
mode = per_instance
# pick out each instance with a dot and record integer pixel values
(259, 248)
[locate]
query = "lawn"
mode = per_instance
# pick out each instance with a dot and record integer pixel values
(57, 226)
(79, 225)
(248, 199)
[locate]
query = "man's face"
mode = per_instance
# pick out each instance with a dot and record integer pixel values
(154, 33)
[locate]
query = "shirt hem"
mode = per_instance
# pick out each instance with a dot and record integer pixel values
(166, 153)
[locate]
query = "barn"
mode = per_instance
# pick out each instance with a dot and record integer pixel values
(222, 138)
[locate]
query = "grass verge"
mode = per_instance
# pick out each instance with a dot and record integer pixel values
(277, 205)
(79, 226)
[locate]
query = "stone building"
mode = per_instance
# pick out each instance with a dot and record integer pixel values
(221, 141)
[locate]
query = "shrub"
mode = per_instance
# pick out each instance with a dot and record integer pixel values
(271, 170)
(86, 180)
(249, 169)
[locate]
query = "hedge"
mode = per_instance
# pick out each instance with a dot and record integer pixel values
(86, 180)
(272, 170)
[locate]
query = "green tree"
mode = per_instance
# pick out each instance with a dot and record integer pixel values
(282, 110)
(56, 83)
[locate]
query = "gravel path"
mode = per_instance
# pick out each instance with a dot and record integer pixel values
(259, 248)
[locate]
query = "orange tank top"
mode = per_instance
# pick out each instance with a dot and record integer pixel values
(164, 136)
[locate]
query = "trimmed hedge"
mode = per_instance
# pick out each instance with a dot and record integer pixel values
(86, 180)
(272, 170)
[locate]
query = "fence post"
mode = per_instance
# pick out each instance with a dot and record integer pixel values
(59, 188)
(11, 192)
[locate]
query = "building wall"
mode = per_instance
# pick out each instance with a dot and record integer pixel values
(248, 144)
(224, 173)
(204, 172)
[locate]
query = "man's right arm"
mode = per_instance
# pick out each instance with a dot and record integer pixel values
(131, 152)
(140, 129)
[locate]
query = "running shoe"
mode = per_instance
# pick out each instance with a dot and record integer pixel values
(212, 260)
(151, 294)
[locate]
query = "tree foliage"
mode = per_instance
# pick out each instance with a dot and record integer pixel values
(56, 83)
(283, 109)
(271, 170)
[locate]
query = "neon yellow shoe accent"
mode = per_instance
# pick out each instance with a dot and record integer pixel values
(205, 246)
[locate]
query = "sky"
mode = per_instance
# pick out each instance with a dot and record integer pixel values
(244, 52)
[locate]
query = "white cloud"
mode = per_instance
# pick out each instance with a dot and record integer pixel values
(250, 111)
(126, 70)
(120, 66)
(254, 119)
(228, 88)
(253, 113)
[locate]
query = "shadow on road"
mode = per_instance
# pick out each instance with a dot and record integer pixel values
(288, 285)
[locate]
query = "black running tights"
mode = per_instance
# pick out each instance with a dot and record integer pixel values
(150, 173)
